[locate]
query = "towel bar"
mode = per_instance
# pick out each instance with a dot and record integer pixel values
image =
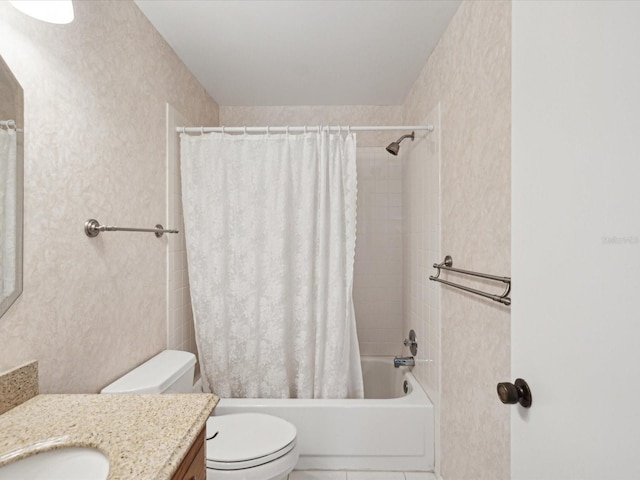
(447, 264)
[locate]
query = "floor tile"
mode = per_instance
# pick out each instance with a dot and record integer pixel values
(375, 476)
(419, 476)
(317, 475)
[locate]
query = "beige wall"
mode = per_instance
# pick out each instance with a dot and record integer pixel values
(95, 94)
(469, 74)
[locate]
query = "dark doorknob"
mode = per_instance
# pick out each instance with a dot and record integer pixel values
(515, 393)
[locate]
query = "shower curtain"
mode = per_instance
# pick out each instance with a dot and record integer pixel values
(8, 150)
(270, 223)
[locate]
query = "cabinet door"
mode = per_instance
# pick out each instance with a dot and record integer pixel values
(193, 465)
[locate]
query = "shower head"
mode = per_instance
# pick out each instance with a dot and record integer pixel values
(394, 147)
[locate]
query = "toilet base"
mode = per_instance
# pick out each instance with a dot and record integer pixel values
(278, 469)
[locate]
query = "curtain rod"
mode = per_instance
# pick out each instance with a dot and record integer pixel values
(10, 124)
(316, 128)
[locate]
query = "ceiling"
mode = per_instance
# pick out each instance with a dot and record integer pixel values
(299, 52)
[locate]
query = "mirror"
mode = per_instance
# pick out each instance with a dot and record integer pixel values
(11, 174)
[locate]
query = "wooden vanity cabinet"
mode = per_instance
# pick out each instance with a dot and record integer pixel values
(193, 467)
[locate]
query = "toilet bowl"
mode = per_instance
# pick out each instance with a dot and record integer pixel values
(245, 446)
(248, 446)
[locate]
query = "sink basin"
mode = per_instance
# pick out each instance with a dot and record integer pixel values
(71, 463)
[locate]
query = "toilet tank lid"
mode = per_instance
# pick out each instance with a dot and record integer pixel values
(154, 375)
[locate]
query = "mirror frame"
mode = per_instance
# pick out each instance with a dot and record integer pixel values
(6, 303)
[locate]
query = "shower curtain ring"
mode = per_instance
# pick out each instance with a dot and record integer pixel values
(222, 130)
(305, 129)
(201, 130)
(287, 129)
(245, 130)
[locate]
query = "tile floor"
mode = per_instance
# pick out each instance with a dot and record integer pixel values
(325, 475)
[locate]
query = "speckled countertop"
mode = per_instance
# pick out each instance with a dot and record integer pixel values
(144, 436)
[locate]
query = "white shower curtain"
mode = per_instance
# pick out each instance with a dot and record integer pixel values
(270, 226)
(8, 149)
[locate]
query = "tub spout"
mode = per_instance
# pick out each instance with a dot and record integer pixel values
(406, 361)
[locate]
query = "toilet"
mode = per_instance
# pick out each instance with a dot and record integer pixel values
(242, 446)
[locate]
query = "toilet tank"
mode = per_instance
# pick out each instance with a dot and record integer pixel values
(170, 371)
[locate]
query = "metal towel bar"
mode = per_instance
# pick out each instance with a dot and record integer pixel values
(447, 264)
(92, 228)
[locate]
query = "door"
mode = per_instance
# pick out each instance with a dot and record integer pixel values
(576, 239)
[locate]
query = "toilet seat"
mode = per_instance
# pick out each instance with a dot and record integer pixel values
(247, 440)
(250, 463)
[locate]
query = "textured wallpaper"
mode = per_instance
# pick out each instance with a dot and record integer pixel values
(469, 74)
(95, 93)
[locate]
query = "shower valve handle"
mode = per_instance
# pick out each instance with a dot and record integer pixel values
(411, 342)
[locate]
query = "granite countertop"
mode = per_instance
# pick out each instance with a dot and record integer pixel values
(144, 436)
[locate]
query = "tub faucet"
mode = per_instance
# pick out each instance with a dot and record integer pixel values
(406, 361)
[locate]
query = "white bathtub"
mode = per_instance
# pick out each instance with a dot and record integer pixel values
(387, 430)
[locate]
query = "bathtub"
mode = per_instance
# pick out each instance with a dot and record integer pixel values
(387, 430)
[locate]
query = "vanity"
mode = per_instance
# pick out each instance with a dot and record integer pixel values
(143, 436)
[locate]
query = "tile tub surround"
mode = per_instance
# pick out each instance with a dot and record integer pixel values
(18, 385)
(121, 426)
(377, 276)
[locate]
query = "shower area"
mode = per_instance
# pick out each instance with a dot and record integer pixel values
(397, 239)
